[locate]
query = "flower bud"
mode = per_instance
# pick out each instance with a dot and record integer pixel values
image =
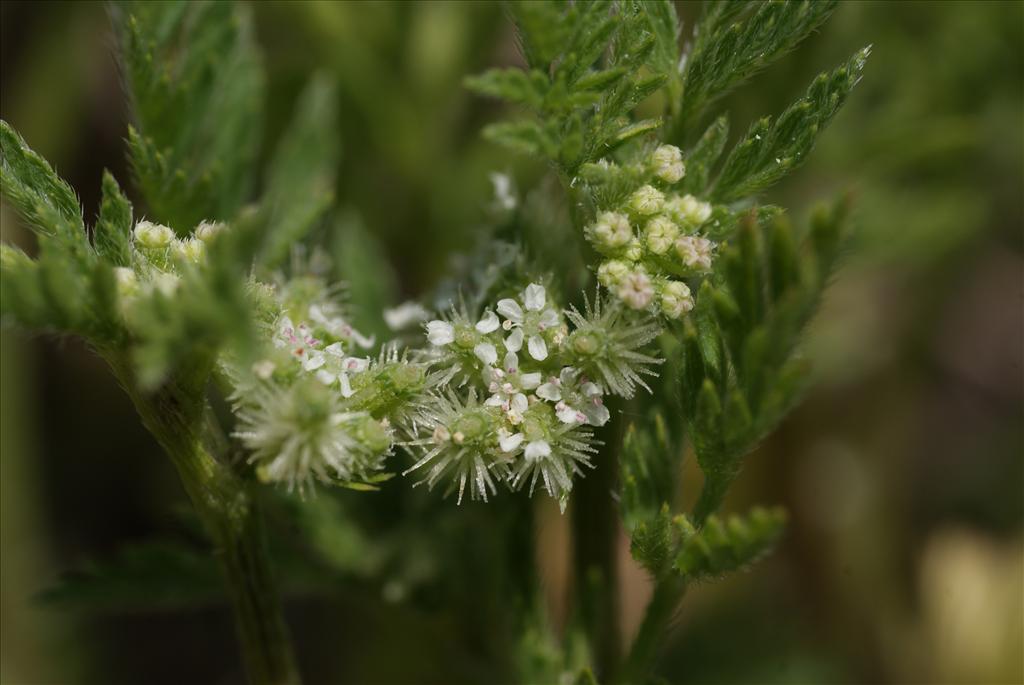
(150, 236)
(127, 282)
(667, 162)
(688, 210)
(636, 289)
(208, 230)
(611, 272)
(611, 231)
(695, 252)
(675, 299)
(634, 252)
(646, 201)
(189, 250)
(659, 234)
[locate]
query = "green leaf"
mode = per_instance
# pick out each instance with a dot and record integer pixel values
(723, 546)
(196, 87)
(735, 40)
(44, 201)
(113, 233)
(771, 149)
(703, 156)
(301, 177)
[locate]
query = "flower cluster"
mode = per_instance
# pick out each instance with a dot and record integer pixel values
(541, 400)
(651, 239)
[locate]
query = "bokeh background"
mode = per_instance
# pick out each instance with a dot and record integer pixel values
(903, 471)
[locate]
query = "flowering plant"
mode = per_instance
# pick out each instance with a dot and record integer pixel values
(682, 325)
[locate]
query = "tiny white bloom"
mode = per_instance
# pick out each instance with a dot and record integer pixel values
(550, 391)
(440, 333)
(152, 236)
(667, 162)
(405, 315)
(611, 231)
(486, 353)
(509, 442)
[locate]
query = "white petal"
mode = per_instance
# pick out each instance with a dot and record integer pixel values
(335, 350)
(314, 361)
(529, 381)
(534, 297)
(404, 314)
(440, 332)
(511, 442)
(325, 377)
(514, 342)
(486, 353)
(511, 310)
(356, 364)
(488, 323)
(511, 362)
(519, 403)
(537, 449)
(538, 348)
(597, 414)
(346, 387)
(550, 392)
(567, 375)
(591, 389)
(549, 319)
(494, 401)
(569, 415)
(361, 340)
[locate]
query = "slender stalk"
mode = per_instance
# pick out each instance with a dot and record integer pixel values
(653, 630)
(174, 414)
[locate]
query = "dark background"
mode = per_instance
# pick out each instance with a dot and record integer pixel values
(902, 472)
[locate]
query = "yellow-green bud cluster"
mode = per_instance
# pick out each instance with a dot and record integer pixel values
(652, 238)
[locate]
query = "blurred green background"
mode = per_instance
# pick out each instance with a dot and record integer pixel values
(903, 471)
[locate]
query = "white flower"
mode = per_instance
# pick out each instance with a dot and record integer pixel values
(405, 315)
(695, 252)
(508, 441)
(536, 450)
(440, 333)
(675, 299)
(577, 399)
(300, 342)
(611, 231)
(688, 210)
(208, 230)
(506, 386)
(647, 200)
(667, 162)
(659, 234)
(636, 289)
(150, 236)
(532, 322)
(332, 366)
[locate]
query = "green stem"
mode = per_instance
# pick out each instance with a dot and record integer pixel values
(653, 630)
(174, 414)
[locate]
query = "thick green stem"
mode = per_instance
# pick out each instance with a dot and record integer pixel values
(653, 630)
(174, 414)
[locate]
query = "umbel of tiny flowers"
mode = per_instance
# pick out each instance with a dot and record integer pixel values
(462, 446)
(462, 347)
(301, 433)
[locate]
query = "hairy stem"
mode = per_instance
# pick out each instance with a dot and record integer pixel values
(174, 414)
